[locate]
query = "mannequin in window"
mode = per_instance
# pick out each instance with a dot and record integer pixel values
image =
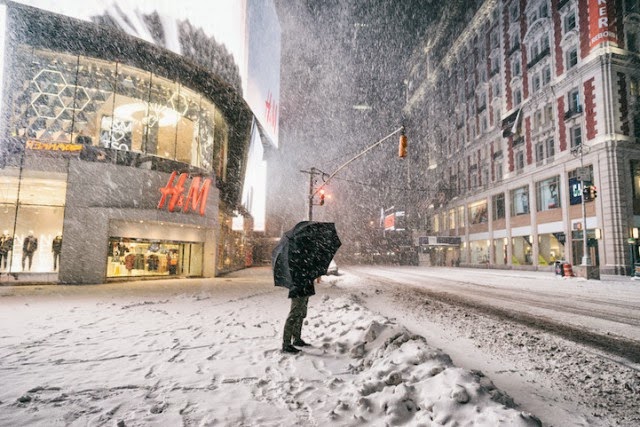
(56, 247)
(6, 246)
(29, 246)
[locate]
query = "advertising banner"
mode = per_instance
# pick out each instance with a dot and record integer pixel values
(602, 22)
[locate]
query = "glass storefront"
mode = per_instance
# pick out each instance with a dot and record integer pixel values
(500, 251)
(111, 106)
(522, 250)
(479, 252)
(551, 248)
(31, 219)
(129, 257)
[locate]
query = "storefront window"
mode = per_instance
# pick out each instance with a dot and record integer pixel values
(548, 194)
(550, 248)
(32, 217)
(522, 250)
(112, 106)
(500, 251)
(127, 257)
(520, 201)
(452, 219)
(479, 252)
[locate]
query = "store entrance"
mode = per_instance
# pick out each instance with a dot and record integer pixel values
(130, 257)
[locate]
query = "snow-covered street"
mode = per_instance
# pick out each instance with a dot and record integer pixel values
(207, 352)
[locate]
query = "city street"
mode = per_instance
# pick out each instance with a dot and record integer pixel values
(206, 351)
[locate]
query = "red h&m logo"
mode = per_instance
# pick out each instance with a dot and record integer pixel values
(174, 193)
(271, 111)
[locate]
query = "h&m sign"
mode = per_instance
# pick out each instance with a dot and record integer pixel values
(173, 194)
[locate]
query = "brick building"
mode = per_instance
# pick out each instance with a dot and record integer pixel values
(512, 104)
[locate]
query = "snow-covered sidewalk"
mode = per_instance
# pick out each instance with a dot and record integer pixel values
(207, 352)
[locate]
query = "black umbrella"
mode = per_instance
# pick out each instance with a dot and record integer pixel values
(304, 253)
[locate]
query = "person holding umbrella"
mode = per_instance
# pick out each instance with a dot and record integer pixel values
(303, 254)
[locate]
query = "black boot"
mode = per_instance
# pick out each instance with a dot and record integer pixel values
(288, 348)
(300, 343)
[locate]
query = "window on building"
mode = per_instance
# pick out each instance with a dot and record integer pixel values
(520, 201)
(498, 206)
(535, 83)
(551, 147)
(548, 194)
(632, 6)
(574, 100)
(543, 10)
(546, 75)
(548, 113)
(497, 169)
(576, 136)
(494, 39)
(461, 222)
(515, 41)
(496, 89)
(519, 160)
(539, 152)
(632, 41)
(516, 69)
(570, 21)
(537, 119)
(514, 11)
(534, 51)
(572, 57)
(478, 213)
(517, 96)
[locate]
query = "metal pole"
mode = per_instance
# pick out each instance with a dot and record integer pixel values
(585, 258)
(311, 177)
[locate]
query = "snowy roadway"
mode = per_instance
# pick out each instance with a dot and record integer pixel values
(521, 328)
(207, 351)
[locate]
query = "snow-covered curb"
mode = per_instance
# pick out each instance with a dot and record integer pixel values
(397, 378)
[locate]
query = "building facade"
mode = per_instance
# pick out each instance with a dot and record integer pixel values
(519, 107)
(119, 159)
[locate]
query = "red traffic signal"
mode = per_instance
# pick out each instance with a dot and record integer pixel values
(321, 197)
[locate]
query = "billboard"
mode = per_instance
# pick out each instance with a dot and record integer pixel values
(602, 22)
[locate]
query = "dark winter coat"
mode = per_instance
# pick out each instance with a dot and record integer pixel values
(305, 289)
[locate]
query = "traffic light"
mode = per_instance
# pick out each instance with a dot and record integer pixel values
(321, 197)
(586, 193)
(402, 146)
(592, 192)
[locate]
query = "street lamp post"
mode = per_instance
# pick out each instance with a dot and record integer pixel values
(586, 258)
(314, 171)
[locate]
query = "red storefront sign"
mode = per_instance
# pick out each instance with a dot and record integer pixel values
(174, 193)
(602, 22)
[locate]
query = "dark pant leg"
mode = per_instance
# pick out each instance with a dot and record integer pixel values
(297, 329)
(296, 313)
(56, 256)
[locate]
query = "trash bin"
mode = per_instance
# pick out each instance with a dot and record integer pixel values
(559, 267)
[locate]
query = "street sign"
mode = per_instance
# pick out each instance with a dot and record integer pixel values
(583, 174)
